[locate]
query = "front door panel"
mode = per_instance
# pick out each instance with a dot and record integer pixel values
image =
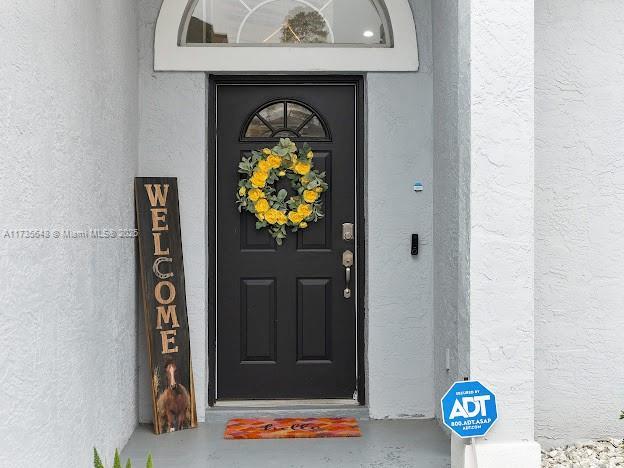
(284, 327)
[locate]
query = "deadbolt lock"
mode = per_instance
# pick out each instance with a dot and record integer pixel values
(348, 232)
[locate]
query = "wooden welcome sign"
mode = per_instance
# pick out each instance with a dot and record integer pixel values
(164, 302)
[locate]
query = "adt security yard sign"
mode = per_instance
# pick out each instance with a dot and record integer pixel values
(469, 409)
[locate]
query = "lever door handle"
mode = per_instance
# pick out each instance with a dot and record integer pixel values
(347, 262)
(347, 290)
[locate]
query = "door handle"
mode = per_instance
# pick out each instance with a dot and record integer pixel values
(347, 262)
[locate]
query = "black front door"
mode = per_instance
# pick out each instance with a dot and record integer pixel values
(284, 326)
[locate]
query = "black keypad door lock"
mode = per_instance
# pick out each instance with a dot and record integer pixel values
(414, 244)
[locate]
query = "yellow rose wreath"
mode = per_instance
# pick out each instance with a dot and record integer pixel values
(276, 210)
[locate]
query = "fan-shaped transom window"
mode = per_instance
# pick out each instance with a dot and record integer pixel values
(287, 22)
(285, 119)
(282, 36)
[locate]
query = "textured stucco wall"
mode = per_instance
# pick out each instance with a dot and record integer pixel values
(172, 142)
(579, 181)
(68, 143)
(446, 197)
(400, 337)
(501, 139)
(400, 287)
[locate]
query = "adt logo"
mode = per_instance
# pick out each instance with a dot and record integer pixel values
(469, 409)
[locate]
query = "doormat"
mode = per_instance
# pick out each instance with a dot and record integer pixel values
(292, 428)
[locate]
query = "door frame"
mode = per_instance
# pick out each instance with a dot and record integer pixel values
(360, 174)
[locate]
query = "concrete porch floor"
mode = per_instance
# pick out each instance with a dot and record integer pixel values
(414, 444)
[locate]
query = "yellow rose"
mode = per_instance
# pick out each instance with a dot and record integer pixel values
(255, 194)
(266, 151)
(262, 206)
(305, 180)
(242, 191)
(258, 180)
(303, 225)
(295, 217)
(272, 216)
(258, 183)
(302, 168)
(282, 173)
(260, 216)
(310, 155)
(274, 161)
(304, 209)
(282, 218)
(264, 166)
(310, 196)
(318, 189)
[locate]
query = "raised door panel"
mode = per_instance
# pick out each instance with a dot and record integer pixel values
(258, 320)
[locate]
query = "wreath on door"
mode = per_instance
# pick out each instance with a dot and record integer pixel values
(276, 210)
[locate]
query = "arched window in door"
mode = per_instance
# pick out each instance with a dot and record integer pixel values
(285, 119)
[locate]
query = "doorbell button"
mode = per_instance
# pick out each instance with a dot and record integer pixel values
(414, 244)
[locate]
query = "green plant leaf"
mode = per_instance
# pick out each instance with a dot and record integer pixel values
(150, 463)
(128, 464)
(97, 463)
(117, 461)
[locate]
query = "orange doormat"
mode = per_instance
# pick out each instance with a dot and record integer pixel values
(291, 428)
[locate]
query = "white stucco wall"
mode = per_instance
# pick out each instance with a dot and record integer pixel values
(446, 194)
(172, 142)
(501, 236)
(483, 204)
(400, 287)
(400, 336)
(579, 219)
(68, 144)
(496, 229)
